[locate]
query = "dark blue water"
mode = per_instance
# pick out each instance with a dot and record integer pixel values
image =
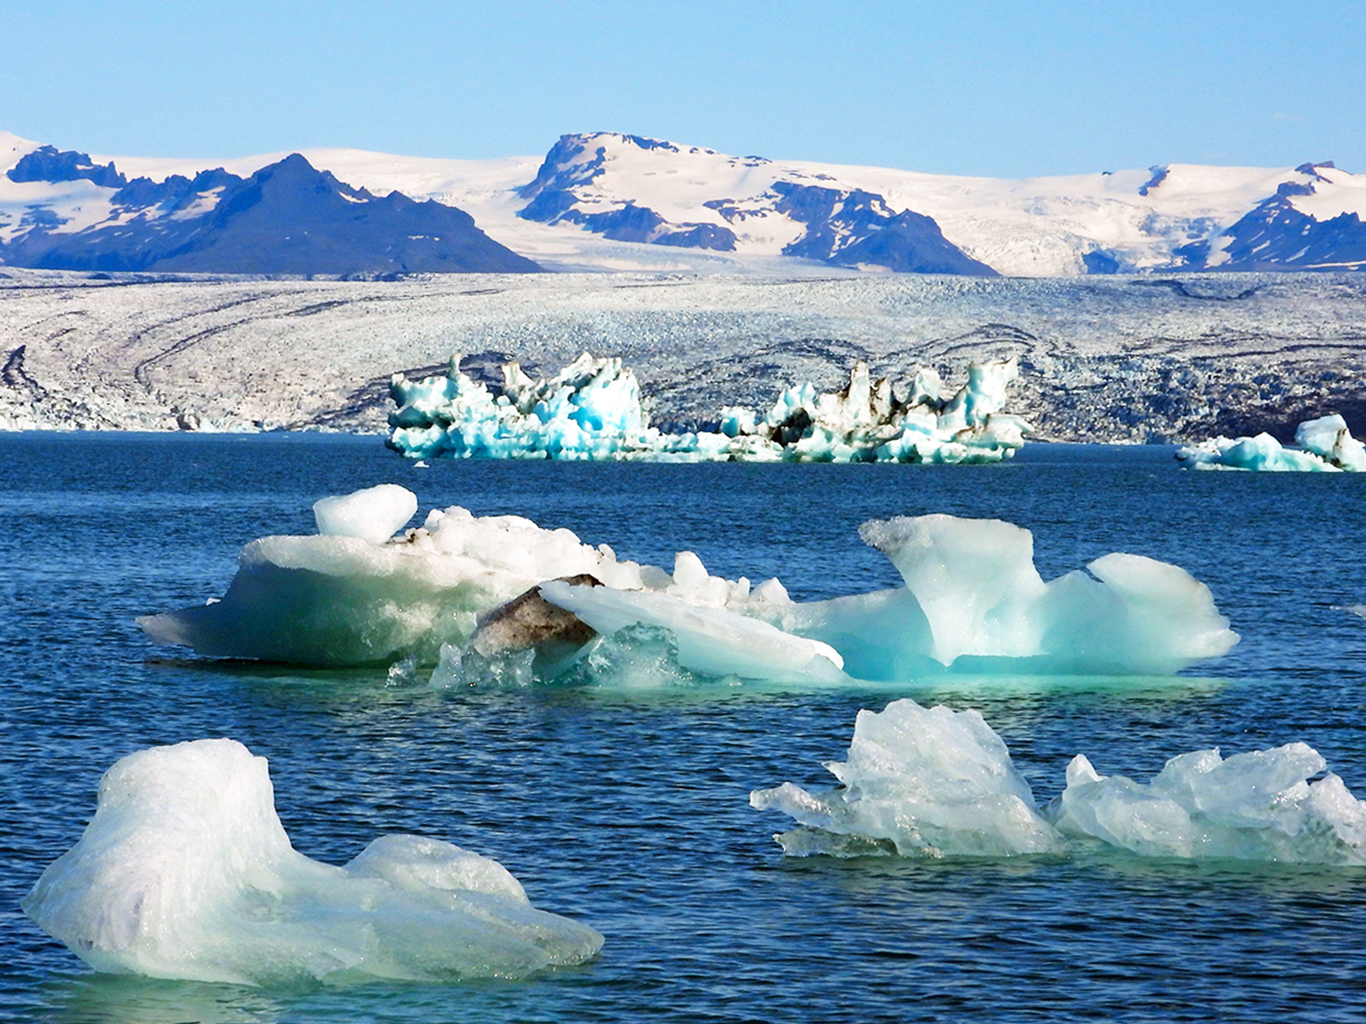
(629, 810)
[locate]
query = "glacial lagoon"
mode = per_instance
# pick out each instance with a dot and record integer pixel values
(627, 806)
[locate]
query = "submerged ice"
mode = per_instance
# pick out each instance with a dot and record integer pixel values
(972, 601)
(1325, 446)
(592, 409)
(932, 782)
(185, 872)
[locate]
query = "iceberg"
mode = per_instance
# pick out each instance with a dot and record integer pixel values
(1325, 446)
(185, 872)
(592, 409)
(972, 601)
(342, 600)
(935, 782)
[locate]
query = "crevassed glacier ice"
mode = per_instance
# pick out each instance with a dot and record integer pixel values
(973, 601)
(592, 409)
(185, 872)
(1326, 446)
(933, 782)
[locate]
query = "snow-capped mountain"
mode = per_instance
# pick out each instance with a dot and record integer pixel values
(286, 218)
(705, 200)
(607, 201)
(1178, 217)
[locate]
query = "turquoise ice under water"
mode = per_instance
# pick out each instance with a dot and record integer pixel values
(629, 809)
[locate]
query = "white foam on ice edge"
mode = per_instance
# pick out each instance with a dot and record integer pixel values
(185, 872)
(933, 782)
(972, 601)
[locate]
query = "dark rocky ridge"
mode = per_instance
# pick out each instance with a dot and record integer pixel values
(287, 218)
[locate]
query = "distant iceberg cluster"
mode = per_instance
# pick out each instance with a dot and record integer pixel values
(592, 409)
(185, 872)
(471, 594)
(1325, 446)
(932, 782)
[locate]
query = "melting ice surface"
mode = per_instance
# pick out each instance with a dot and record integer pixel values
(1325, 446)
(185, 872)
(592, 409)
(972, 601)
(933, 782)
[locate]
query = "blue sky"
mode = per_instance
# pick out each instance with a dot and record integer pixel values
(968, 87)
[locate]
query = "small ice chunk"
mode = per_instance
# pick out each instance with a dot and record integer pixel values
(1254, 806)
(185, 872)
(374, 514)
(927, 782)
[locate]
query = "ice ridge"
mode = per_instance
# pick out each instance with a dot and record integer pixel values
(593, 410)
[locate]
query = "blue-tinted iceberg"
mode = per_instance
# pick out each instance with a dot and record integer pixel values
(592, 409)
(938, 783)
(973, 601)
(185, 872)
(1325, 446)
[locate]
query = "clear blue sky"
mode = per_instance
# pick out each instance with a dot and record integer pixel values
(951, 86)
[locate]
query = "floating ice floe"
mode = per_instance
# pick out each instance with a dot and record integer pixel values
(973, 601)
(592, 409)
(185, 872)
(933, 782)
(1325, 446)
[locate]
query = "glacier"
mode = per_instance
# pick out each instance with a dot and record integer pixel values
(185, 872)
(934, 782)
(972, 601)
(1326, 445)
(593, 409)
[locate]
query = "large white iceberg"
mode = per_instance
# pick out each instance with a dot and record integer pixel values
(933, 782)
(973, 601)
(592, 409)
(338, 599)
(185, 872)
(1325, 446)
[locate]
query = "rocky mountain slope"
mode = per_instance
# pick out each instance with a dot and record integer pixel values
(286, 218)
(608, 201)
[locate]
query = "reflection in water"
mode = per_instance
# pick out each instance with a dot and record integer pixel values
(114, 999)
